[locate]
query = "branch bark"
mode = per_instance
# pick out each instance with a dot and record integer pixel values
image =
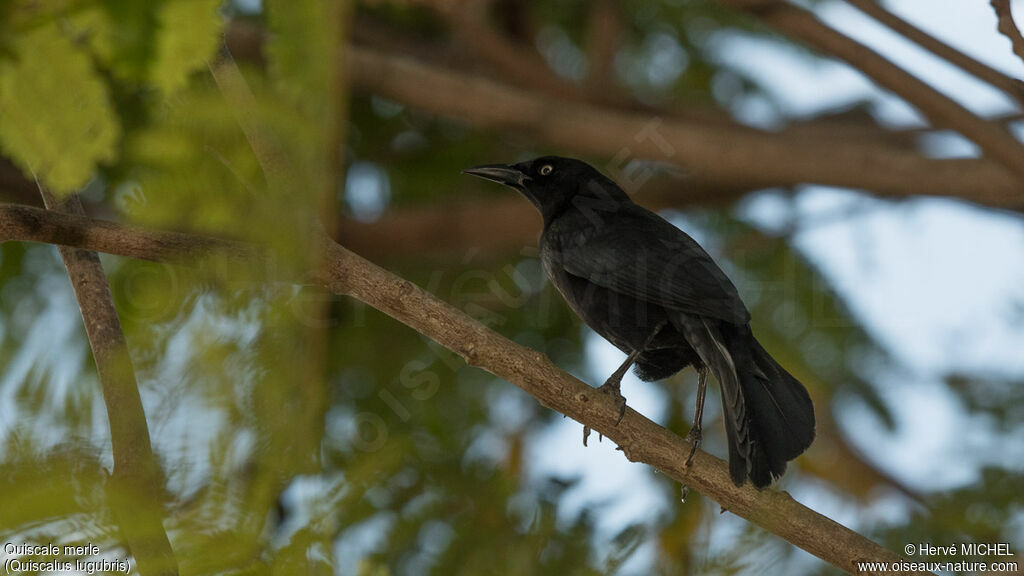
(640, 439)
(137, 478)
(742, 159)
(800, 24)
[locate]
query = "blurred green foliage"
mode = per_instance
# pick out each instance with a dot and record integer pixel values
(385, 455)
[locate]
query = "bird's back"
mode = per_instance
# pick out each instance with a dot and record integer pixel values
(637, 254)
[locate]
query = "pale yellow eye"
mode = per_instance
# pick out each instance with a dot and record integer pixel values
(546, 169)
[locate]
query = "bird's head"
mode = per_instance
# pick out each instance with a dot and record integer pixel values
(550, 182)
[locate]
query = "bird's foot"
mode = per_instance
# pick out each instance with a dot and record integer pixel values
(611, 388)
(694, 437)
(586, 435)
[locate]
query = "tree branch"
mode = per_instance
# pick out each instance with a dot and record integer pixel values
(1011, 86)
(603, 41)
(520, 64)
(137, 477)
(640, 439)
(995, 141)
(235, 90)
(808, 153)
(714, 151)
(499, 223)
(743, 159)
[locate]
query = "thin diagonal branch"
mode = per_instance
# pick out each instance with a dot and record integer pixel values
(1011, 86)
(995, 141)
(640, 439)
(235, 89)
(137, 478)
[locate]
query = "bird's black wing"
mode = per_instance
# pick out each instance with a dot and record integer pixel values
(637, 253)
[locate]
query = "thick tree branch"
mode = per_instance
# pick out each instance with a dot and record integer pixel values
(640, 439)
(995, 141)
(1011, 86)
(137, 478)
(742, 159)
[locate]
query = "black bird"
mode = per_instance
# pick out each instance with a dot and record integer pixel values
(653, 292)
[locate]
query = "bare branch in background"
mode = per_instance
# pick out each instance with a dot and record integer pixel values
(137, 502)
(1007, 27)
(711, 147)
(995, 141)
(1011, 86)
(499, 224)
(710, 153)
(603, 35)
(511, 62)
(640, 439)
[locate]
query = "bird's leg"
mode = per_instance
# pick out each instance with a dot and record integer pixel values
(613, 387)
(695, 434)
(613, 384)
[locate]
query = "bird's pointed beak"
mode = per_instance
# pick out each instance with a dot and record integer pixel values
(499, 173)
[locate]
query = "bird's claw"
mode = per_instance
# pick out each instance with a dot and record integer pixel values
(694, 437)
(586, 434)
(612, 389)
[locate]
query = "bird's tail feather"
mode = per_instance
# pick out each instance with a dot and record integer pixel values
(769, 417)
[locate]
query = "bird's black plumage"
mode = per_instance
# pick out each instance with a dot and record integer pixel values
(653, 292)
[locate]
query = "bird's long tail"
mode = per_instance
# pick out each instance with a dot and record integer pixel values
(769, 417)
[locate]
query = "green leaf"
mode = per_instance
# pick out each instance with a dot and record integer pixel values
(189, 35)
(56, 120)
